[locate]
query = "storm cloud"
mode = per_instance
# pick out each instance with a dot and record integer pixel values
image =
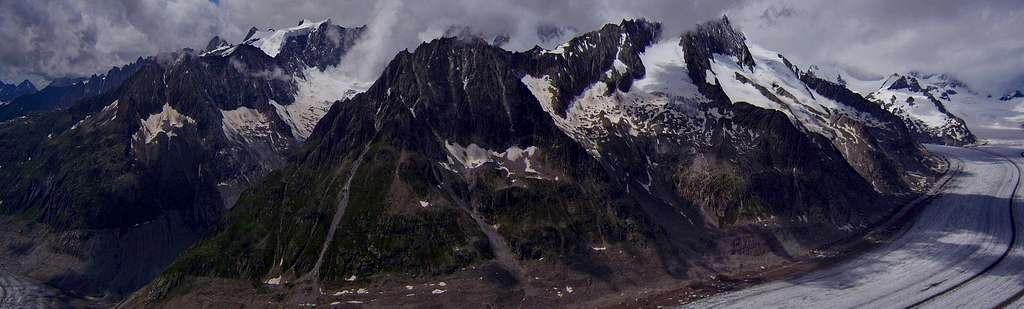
(976, 41)
(42, 40)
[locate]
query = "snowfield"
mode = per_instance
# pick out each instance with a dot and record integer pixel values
(166, 121)
(271, 41)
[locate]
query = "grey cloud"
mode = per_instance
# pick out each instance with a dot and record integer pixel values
(47, 39)
(976, 41)
(398, 25)
(973, 40)
(274, 73)
(54, 38)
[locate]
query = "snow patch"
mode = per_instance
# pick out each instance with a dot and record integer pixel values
(558, 50)
(316, 93)
(787, 93)
(271, 41)
(666, 72)
(514, 159)
(244, 124)
(166, 122)
(710, 78)
(273, 281)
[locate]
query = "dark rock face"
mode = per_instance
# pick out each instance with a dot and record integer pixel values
(61, 94)
(714, 37)
(906, 82)
(132, 176)
(890, 156)
(215, 43)
(462, 153)
(9, 92)
(467, 33)
(585, 59)
(321, 48)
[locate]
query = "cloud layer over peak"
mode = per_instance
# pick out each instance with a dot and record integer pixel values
(975, 41)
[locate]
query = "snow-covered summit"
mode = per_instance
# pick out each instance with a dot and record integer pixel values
(991, 118)
(700, 82)
(921, 100)
(305, 58)
(271, 41)
(307, 38)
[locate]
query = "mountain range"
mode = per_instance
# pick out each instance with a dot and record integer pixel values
(621, 153)
(107, 191)
(10, 92)
(258, 173)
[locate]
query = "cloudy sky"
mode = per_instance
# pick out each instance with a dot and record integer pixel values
(977, 41)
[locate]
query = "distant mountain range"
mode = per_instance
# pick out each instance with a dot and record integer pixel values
(63, 93)
(9, 92)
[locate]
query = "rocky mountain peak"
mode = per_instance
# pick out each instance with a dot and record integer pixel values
(909, 83)
(27, 85)
(252, 31)
(309, 44)
(720, 37)
(920, 99)
(9, 92)
(704, 42)
(215, 43)
(468, 33)
(610, 55)
(65, 81)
